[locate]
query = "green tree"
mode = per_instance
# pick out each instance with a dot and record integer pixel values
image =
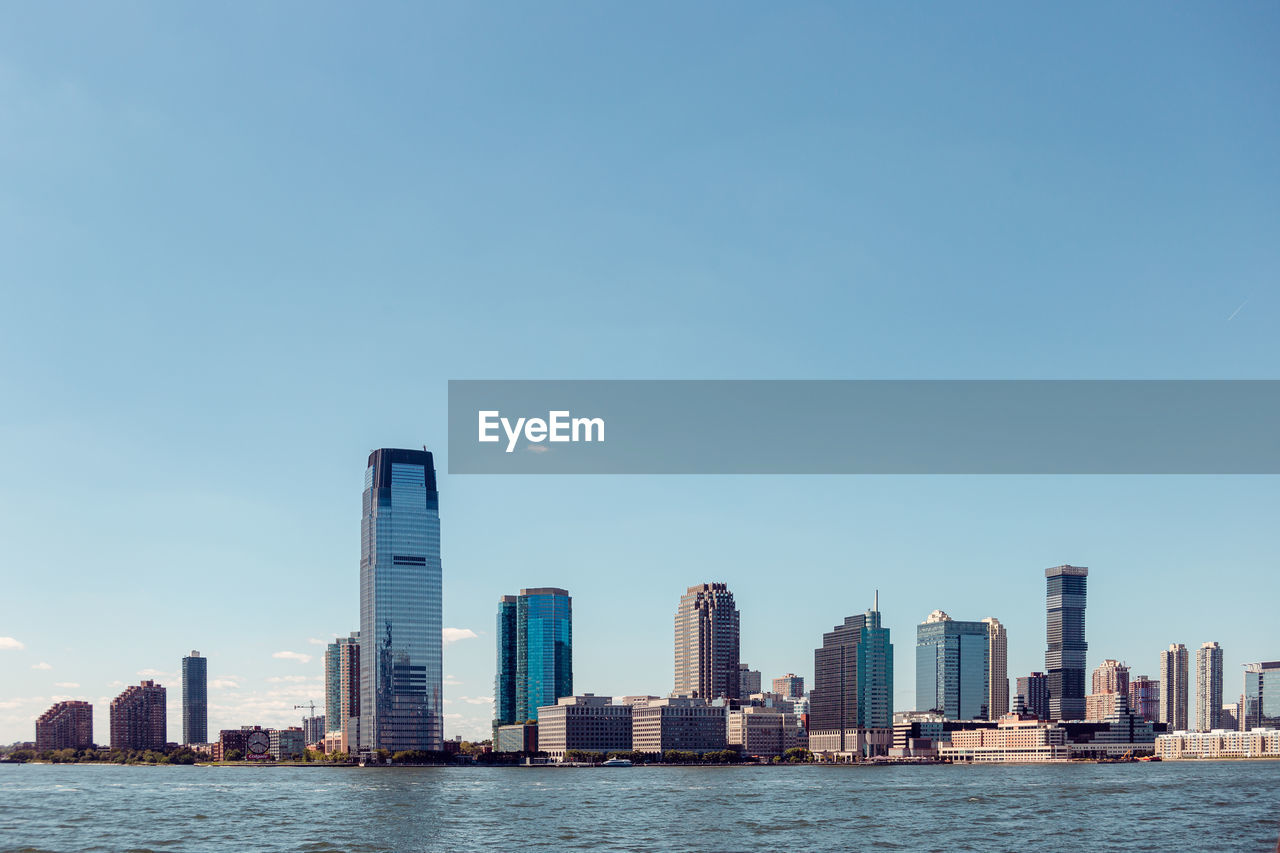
(798, 755)
(233, 755)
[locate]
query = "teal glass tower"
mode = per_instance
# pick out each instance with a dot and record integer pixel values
(853, 676)
(195, 699)
(535, 653)
(952, 667)
(400, 620)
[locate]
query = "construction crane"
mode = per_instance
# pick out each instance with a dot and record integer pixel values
(310, 704)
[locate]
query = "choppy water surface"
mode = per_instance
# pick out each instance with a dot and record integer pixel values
(1168, 806)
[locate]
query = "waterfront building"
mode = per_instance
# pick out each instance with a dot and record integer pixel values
(789, 685)
(67, 725)
(1066, 590)
(1256, 743)
(138, 717)
(286, 744)
(688, 724)
(535, 653)
(342, 689)
(920, 733)
(1173, 692)
(1016, 737)
(1208, 714)
(748, 680)
(1261, 700)
(762, 731)
(1230, 716)
(707, 626)
(517, 737)
(587, 722)
(952, 667)
(400, 604)
(1034, 692)
(997, 669)
(853, 676)
(1144, 698)
(1110, 682)
(195, 699)
(231, 739)
(313, 729)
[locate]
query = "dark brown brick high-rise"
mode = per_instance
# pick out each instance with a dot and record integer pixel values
(67, 725)
(138, 717)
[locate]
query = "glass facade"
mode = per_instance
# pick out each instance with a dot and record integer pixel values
(400, 602)
(1261, 696)
(544, 649)
(504, 688)
(1064, 660)
(952, 667)
(195, 699)
(853, 676)
(341, 681)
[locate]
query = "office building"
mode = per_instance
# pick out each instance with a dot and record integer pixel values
(1110, 682)
(138, 717)
(997, 669)
(748, 680)
(1064, 660)
(517, 737)
(588, 722)
(760, 731)
(952, 667)
(1144, 698)
(1261, 699)
(682, 723)
(1173, 691)
(313, 729)
(286, 744)
(853, 681)
(706, 643)
(1257, 743)
(400, 600)
(1230, 716)
(790, 686)
(195, 699)
(342, 692)
(1033, 691)
(535, 653)
(67, 725)
(1016, 738)
(1208, 687)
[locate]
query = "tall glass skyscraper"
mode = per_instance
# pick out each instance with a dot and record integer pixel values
(342, 682)
(1261, 696)
(1065, 588)
(535, 653)
(195, 699)
(952, 667)
(853, 676)
(400, 622)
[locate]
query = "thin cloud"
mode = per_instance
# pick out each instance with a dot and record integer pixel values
(476, 700)
(1237, 311)
(225, 684)
(453, 635)
(298, 656)
(155, 673)
(316, 641)
(66, 684)
(9, 644)
(42, 665)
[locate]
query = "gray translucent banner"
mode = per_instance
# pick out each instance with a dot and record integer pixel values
(864, 427)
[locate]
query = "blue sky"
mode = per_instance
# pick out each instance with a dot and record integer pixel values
(243, 247)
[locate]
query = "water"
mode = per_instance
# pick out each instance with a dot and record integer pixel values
(1166, 806)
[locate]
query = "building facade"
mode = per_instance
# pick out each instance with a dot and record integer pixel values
(286, 744)
(853, 678)
(997, 669)
(1144, 698)
(790, 686)
(764, 732)
(707, 626)
(682, 723)
(1110, 682)
(67, 725)
(748, 680)
(195, 699)
(1257, 743)
(1016, 738)
(1261, 700)
(535, 653)
(342, 682)
(1208, 687)
(138, 717)
(517, 737)
(1173, 691)
(400, 604)
(952, 667)
(590, 723)
(1033, 693)
(313, 729)
(1066, 589)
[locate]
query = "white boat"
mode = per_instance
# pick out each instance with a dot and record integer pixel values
(617, 762)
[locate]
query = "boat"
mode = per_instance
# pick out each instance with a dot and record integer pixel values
(617, 762)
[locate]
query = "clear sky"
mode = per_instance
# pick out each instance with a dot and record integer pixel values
(242, 246)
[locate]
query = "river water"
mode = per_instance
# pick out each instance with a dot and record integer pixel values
(1158, 806)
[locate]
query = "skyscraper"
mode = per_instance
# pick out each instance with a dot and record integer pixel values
(952, 667)
(789, 686)
(195, 699)
(1144, 698)
(1260, 706)
(853, 676)
(706, 648)
(139, 717)
(1033, 692)
(535, 653)
(1173, 690)
(1110, 691)
(342, 686)
(1064, 660)
(1208, 687)
(400, 622)
(997, 669)
(67, 725)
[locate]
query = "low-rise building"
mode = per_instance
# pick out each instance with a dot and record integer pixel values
(517, 737)
(1016, 738)
(850, 744)
(587, 722)
(286, 744)
(765, 732)
(679, 722)
(67, 725)
(1220, 743)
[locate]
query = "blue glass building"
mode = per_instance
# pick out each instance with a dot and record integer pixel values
(1065, 594)
(195, 699)
(535, 653)
(853, 676)
(952, 667)
(1261, 696)
(400, 620)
